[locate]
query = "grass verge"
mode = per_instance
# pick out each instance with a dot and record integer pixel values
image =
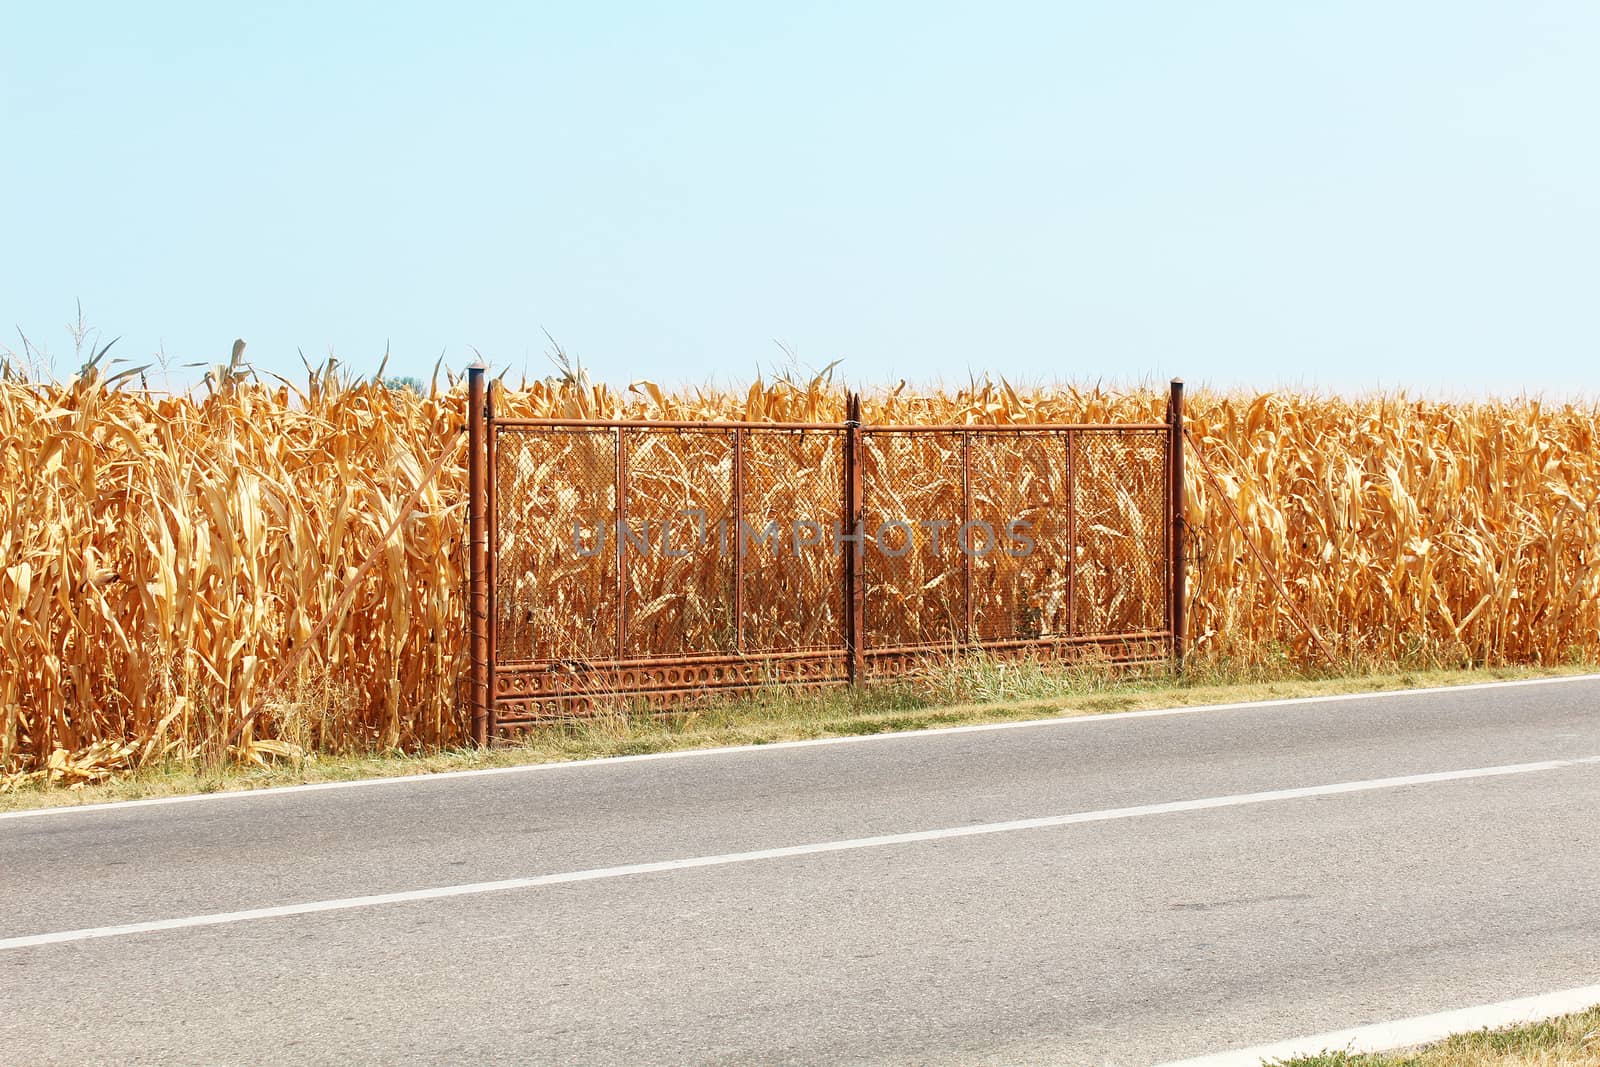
(1567, 1041)
(970, 691)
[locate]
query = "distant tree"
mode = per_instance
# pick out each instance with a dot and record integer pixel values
(407, 382)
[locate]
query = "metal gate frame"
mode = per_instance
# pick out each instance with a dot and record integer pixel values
(505, 696)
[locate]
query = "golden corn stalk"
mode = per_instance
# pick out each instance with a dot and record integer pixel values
(160, 556)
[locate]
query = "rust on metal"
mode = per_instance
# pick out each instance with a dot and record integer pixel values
(736, 509)
(665, 424)
(1072, 535)
(1108, 504)
(854, 551)
(965, 535)
(491, 555)
(477, 557)
(667, 684)
(1177, 619)
(621, 435)
(1004, 428)
(801, 427)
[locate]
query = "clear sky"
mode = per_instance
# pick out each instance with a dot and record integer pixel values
(1344, 195)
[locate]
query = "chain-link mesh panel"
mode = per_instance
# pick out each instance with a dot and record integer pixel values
(1019, 538)
(1120, 518)
(677, 574)
(556, 565)
(911, 493)
(793, 499)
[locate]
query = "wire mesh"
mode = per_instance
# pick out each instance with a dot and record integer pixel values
(1119, 501)
(793, 564)
(727, 542)
(1020, 538)
(677, 574)
(912, 498)
(556, 565)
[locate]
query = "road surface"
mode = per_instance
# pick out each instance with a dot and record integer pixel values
(1117, 890)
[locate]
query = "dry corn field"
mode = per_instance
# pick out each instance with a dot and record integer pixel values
(162, 557)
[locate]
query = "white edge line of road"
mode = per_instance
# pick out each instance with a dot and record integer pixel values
(1403, 1033)
(726, 750)
(595, 874)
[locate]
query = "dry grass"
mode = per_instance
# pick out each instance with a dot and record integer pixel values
(966, 691)
(1568, 1041)
(161, 555)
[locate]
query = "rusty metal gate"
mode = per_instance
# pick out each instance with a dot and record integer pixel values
(656, 562)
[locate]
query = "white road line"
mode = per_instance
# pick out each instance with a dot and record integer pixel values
(730, 750)
(785, 852)
(1402, 1033)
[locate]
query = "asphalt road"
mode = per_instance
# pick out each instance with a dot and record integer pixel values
(1136, 931)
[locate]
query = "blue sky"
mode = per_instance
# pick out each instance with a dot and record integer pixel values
(1344, 195)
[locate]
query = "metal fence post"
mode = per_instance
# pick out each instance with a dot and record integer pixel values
(491, 468)
(855, 629)
(1180, 564)
(964, 541)
(621, 478)
(477, 557)
(739, 440)
(1072, 534)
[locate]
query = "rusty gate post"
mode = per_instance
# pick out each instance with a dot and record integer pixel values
(855, 629)
(1072, 534)
(1175, 523)
(491, 468)
(737, 507)
(620, 478)
(964, 542)
(477, 559)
